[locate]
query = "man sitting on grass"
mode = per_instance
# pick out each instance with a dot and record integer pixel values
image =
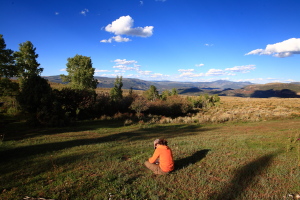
(162, 160)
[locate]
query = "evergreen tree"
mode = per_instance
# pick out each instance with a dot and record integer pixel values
(35, 97)
(7, 70)
(26, 62)
(152, 93)
(80, 73)
(7, 61)
(174, 92)
(116, 92)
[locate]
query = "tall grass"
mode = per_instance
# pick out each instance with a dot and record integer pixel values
(104, 160)
(237, 109)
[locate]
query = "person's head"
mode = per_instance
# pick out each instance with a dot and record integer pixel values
(160, 142)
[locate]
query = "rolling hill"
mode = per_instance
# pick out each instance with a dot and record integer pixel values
(220, 87)
(138, 84)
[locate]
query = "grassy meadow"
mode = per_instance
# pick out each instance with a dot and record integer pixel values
(240, 158)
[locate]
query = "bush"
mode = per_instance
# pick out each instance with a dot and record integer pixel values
(172, 106)
(77, 103)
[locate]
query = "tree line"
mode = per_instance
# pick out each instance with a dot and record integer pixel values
(25, 93)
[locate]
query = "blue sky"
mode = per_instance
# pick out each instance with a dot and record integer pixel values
(180, 40)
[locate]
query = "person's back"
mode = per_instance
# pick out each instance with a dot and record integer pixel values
(162, 156)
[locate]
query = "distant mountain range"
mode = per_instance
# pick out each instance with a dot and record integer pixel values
(220, 87)
(138, 84)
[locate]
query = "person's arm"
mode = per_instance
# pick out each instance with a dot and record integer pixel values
(155, 156)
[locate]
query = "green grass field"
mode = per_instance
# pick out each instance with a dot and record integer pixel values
(104, 160)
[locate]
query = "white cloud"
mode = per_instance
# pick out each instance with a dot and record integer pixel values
(242, 69)
(186, 70)
(144, 72)
(124, 62)
(125, 68)
(106, 41)
(215, 72)
(191, 74)
(209, 45)
(56, 13)
(117, 38)
(141, 3)
(282, 49)
(161, 0)
(84, 11)
(290, 80)
(63, 70)
(158, 75)
(199, 65)
(124, 26)
(101, 70)
(121, 39)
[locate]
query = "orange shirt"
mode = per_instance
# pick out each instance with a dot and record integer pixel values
(165, 156)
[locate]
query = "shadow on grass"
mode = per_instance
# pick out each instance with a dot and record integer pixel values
(20, 130)
(243, 178)
(184, 162)
(138, 135)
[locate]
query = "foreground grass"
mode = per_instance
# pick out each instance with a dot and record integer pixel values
(102, 160)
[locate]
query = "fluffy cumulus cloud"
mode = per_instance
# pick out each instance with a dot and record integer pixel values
(282, 49)
(124, 26)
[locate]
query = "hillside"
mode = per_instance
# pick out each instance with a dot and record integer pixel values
(284, 90)
(220, 87)
(138, 84)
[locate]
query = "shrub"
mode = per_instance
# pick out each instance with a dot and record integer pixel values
(77, 103)
(139, 105)
(173, 106)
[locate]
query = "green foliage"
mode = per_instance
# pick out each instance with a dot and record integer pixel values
(174, 92)
(205, 101)
(26, 62)
(80, 73)
(103, 105)
(116, 92)
(77, 103)
(35, 95)
(7, 61)
(8, 87)
(172, 106)
(152, 93)
(165, 94)
(139, 105)
(7, 70)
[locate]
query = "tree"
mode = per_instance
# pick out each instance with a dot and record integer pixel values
(26, 62)
(139, 105)
(116, 92)
(35, 96)
(80, 73)
(165, 94)
(7, 70)
(7, 61)
(152, 93)
(174, 92)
